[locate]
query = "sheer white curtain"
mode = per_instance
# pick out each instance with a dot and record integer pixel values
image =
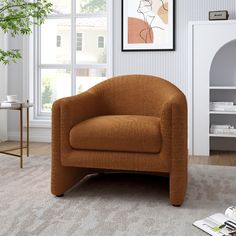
(3, 90)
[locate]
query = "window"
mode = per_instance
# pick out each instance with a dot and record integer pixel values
(79, 63)
(79, 42)
(58, 41)
(100, 42)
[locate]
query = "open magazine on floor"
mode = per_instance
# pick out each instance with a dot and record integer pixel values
(219, 224)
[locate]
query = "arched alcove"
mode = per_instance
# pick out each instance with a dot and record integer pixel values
(223, 75)
(223, 67)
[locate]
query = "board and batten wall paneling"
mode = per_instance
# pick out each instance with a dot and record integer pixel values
(172, 66)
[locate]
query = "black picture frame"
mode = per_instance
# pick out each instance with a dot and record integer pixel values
(145, 46)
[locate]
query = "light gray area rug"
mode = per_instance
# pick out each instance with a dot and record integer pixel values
(109, 204)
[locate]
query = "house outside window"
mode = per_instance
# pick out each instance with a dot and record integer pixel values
(70, 68)
(79, 42)
(58, 41)
(101, 42)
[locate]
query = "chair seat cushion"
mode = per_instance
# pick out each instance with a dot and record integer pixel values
(124, 133)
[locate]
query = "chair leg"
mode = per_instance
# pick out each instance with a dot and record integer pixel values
(63, 178)
(176, 205)
(62, 195)
(178, 186)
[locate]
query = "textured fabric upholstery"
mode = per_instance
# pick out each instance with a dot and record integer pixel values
(118, 133)
(76, 151)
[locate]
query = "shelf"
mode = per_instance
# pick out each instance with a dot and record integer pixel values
(223, 135)
(222, 113)
(223, 88)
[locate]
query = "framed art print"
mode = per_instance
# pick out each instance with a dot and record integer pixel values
(148, 25)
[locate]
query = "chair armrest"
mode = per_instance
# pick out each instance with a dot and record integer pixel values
(174, 129)
(68, 112)
(63, 178)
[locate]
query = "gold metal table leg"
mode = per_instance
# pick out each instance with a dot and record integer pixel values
(21, 137)
(27, 130)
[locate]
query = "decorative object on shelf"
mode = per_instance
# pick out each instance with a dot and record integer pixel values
(222, 129)
(148, 25)
(11, 98)
(223, 106)
(219, 15)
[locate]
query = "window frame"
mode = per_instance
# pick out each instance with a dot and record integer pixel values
(32, 68)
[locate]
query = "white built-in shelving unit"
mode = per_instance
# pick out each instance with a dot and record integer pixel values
(212, 69)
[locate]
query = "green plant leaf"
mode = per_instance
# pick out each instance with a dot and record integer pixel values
(17, 18)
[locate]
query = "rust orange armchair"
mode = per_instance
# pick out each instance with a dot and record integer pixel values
(127, 123)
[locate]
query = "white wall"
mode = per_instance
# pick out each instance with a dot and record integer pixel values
(15, 86)
(3, 91)
(169, 65)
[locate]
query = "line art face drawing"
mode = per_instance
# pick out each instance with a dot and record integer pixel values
(145, 8)
(149, 22)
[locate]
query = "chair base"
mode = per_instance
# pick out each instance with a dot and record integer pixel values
(61, 195)
(174, 205)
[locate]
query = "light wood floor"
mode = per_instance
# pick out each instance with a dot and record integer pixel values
(216, 158)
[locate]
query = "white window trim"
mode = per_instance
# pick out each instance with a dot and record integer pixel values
(29, 62)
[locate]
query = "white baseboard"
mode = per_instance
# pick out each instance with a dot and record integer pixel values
(33, 137)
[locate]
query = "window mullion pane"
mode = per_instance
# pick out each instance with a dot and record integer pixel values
(110, 28)
(91, 15)
(39, 92)
(55, 66)
(73, 47)
(96, 66)
(38, 83)
(55, 17)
